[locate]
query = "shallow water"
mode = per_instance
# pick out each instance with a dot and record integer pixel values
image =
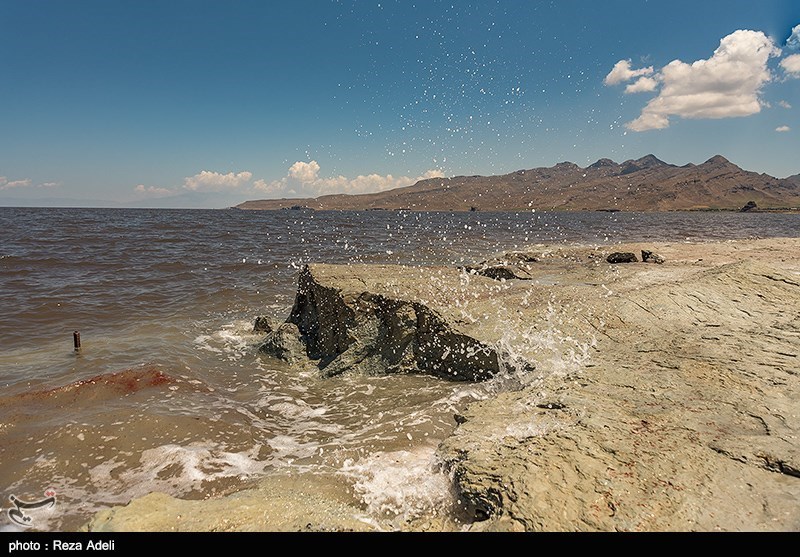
(169, 392)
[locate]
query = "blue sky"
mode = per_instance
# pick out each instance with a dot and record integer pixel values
(206, 104)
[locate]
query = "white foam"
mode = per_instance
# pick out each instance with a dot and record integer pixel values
(172, 469)
(401, 485)
(298, 409)
(287, 449)
(555, 352)
(175, 469)
(204, 343)
(235, 340)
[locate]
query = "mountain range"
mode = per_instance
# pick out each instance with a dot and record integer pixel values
(645, 184)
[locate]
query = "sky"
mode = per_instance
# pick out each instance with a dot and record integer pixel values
(194, 103)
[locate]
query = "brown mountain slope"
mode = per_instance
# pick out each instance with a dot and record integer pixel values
(645, 184)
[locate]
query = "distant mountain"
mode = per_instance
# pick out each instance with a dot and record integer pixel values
(645, 184)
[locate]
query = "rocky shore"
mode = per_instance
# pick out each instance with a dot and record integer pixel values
(670, 402)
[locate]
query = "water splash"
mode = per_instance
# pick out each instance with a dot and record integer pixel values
(233, 341)
(530, 352)
(401, 486)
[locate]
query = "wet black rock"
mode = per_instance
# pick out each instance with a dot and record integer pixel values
(265, 324)
(622, 257)
(285, 344)
(512, 265)
(652, 257)
(372, 319)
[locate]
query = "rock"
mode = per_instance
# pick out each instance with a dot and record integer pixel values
(265, 324)
(509, 266)
(285, 344)
(749, 206)
(652, 257)
(686, 419)
(278, 504)
(622, 257)
(388, 319)
(668, 403)
(499, 272)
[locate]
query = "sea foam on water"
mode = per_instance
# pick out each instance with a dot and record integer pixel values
(400, 486)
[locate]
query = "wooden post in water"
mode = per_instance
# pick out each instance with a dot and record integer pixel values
(76, 340)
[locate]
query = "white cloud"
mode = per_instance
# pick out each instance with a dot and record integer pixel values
(784, 104)
(303, 180)
(6, 184)
(622, 72)
(214, 181)
(153, 191)
(642, 85)
(783, 129)
(793, 42)
(726, 85)
(791, 65)
(304, 172)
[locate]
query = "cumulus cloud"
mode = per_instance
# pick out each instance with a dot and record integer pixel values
(153, 191)
(622, 72)
(726, 85)
(303, 180)
(791, 65)
(215, 181)
(793, 42)
(642, 85)
(304, 172)
(784, 104)
(783, 129)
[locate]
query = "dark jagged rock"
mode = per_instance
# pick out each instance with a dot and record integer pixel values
(373, 319)
(622, 257)
(265, 324)
(652, 257)
(285, 344)
(749, 206)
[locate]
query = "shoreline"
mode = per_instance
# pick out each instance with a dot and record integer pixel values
(673, 409)
(281, 207)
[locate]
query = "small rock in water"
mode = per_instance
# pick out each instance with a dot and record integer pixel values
(622, 257)
(651, 257)
(284, 343)
(264, 324)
